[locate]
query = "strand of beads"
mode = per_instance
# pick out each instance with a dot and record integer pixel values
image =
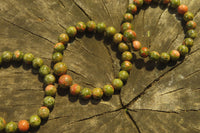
(164, 57)
(34, 121)
(60, 68)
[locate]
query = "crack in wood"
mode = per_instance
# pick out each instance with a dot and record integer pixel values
(27, 30)
(107, 11)
(133, 121)
(159, 111)
(112, 60)
(196, 13)
(173, 41)
(61, 26)
(172, 91)
(61, 3)
(191, 74)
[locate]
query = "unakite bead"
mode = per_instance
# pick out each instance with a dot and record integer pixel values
(101, 27)
(123, 75)
(183, 50)
(43, 112)
(59, 47)
(60, 68)
(138, 3)
(191, 34)
(44, 70)
(49, 101)
(71, 31)
(126, 26)
(97, 93)
(188, 16)
(91, 26)
(126, 65)
(174, 55)
(144, 52)
(65, 81)
(28, 58)
(18, 55)
(2, 124)
(129, 35)
(164, 57)
(108, 90)
(63, 38)
(7, 56)
(132, 8)
(35, 121)
(37, 63)
(136, 45)
(117, 84)
(147, 1)
(86, 93)
(165, 1)
(110, 31)
(11, 127)
(49, 79)
(154, 55)
(80, 26)
(188, 42)
(127, 56)
(191, 25)
(117, 38)
(175, 3)
(57, 57)
(182, 9)
(23, 126)
(75, 89)
(50, 90)
(123, 47)
(128, 17)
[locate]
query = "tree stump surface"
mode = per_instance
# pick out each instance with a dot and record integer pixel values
(155, 99)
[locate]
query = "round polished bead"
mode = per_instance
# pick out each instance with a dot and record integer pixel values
(63, 38)
(123, 75)
(126, 26)
(138, 3)
(127, 56)
(191, 25)
(188, 42)
(122, 47)
(129, 35)
(101, 27)
(49, 101)
(59, 47)
(108, 90)
(183, 50)
(18, 55)
(35, 121)
(110, 31)
(43, 112)
(175, 3)
(7, 56)
(117, 84)
(80, 26)
(191, 34)
(57, 57)
(174, 55)
(117, 38)
(126, 65)
(23, 125)
(147, 1)
(2, 124)
(60, 68)
(37, 63)
(44, 70)
(182, 9)
(28, 58)
(75, 89)
(91, 26)
(128, 17)
(165, 1)
(49, 79)
(188, 16)
(11, 127)
(86, 93)
(97, 93)
(50, 90)
(154, 55)
(132, 8)
(144, 52)
(136, 45)
(164, 57)
(71, 31)
(65, 81)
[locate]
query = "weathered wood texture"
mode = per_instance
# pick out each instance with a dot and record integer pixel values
(158, 99)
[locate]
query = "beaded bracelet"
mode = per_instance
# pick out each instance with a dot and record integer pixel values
(164, 57)
(50, 91)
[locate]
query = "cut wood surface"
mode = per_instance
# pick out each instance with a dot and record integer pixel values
(155, 99)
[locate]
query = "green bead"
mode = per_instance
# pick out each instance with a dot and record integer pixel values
(127, 56)
(44, 70)
(18, 55)
(174, 55)
(117, 84)
(138, 3)
(188, 16)
(191, 34)
(108, 90)
(164, 57)
(50, 90)
(71, 31)
(59, 47)
(91, 26)
(110, 31)
(37, 63)
(126, 65)
(57, 57)
(122, 47)
(123, 75)
(86, 93)
(7, 56)
(175, 3)
(117, 38)
(63, 38)
(188, 42)
(49, 102)
(183, 50)
(101, 27)
(35, 121)
(155, 56)
(80, 26)
(97, 93)
(60, 68)
(28, 58)
(2, 124)
(11, 127)
(43, 112)
(132, 8)
(49, 79)
(126, 26)
(128, 17)
(191, 25)
(129, 35)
